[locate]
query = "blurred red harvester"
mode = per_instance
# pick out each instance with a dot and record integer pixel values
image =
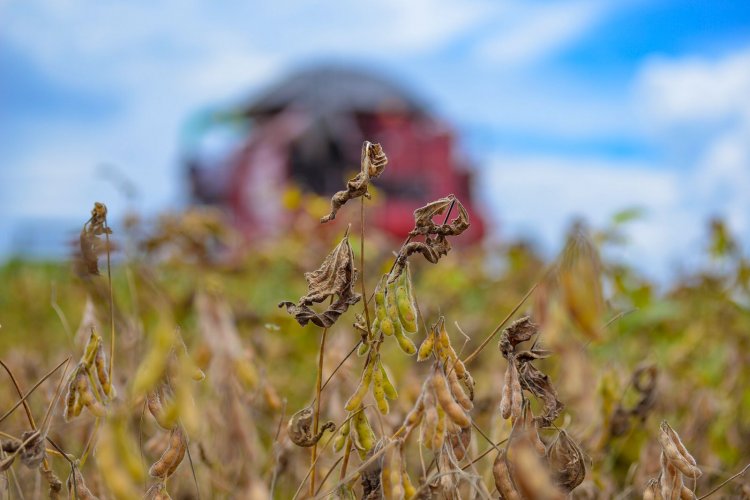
(308, 130)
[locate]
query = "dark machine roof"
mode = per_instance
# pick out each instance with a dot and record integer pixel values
(324, 90)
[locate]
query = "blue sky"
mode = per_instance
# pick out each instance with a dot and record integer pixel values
(572, 107)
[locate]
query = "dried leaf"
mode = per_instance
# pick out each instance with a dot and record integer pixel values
(33, 453)
(519, 331)
(436, 243)
(300, 428)
(90, 243)
(539, 385)
(373, 163)
(566, 462)
(335, 277)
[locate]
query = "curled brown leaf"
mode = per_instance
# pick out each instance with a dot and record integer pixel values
(373, 163)
(335, 278)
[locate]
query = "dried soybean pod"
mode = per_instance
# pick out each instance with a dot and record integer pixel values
(390, 475)
(77, 487)
(172, 456)
(407, 311)
(516, 392)
(378, 392)
(439, 437)
(530, 475)
(414, 417)
(460, 442)
(157, 491)
(458, 391)
(670, 480)
(102, 371)
(676, 452)
(507, 396)
(449, 405)
(430, 415)
(72, 400)
(532, 433)
(404, 342)
(87, 397)
(501, 474)
(425, 349)
(652, 491)
(686, 493)
(156, 408)
(355, 401)
(390, 390)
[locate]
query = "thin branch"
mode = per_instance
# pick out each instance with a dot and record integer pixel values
(727, 481)
(316, 415)
(33, 388)
(470, 357)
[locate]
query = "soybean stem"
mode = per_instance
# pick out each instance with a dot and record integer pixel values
(316, 415)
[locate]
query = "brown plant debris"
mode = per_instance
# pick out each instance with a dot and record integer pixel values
(335, 277)
(90, 243)
(644, 383)
(300, 428)
(373, 163)
(436, 242)
(521, 372)
(566, 462)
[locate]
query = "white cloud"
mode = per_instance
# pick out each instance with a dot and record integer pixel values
(529, 32)
(704, 103)
(696, 90)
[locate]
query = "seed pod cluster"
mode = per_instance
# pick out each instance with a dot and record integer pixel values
(439, 411)
(89, 385)
(375, 375)
(395, 310)
(172, 456)
(676, 463)
(438, 342)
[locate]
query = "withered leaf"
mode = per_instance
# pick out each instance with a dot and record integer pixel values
(566, 462)
(423, 223)
(519, 331)
(539, 385)
(89, 242)
(373, 162)
(335, 277)
(436, 242)
(33, 453)
(300, 428)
